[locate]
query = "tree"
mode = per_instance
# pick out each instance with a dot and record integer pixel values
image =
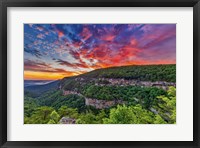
(143, 116)
(69, 112)
(167, 105)
(51, 122)
(121, 115)
(129, 115)
(41, 115)
(87, 118)
(159, 120)
(54, 117)
(100, 116)
(30, 105)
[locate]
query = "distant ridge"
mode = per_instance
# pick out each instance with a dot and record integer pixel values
(36, 82)
(162, 72)
(39, 89)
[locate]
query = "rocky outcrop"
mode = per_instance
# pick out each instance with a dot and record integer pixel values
(98, 104)
(101, 104)
(67, 120)
(123, 82)
(68, 92)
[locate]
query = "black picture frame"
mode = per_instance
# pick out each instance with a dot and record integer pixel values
(99, 3)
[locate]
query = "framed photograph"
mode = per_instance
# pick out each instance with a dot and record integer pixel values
(106, 73)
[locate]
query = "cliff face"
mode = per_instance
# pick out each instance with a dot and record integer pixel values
(73, 85)
(68, 92)
(98, 104)
(101, 104)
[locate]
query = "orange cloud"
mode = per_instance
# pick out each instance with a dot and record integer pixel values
(60, 34)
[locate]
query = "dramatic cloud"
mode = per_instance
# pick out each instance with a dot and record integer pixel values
(33, 52)
(61, 50)
(36, 66)
(74, 65)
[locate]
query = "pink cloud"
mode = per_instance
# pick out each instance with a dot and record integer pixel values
(86, 34)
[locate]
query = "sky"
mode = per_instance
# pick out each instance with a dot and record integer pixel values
(54, 51)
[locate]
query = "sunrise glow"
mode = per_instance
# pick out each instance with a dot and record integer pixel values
(54, 51)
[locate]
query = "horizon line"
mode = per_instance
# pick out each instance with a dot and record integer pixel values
(93, 70)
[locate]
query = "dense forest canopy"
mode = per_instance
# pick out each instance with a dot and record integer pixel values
(138, 72)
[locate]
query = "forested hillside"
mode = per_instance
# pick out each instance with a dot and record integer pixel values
(116, 95)
(143, 73)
